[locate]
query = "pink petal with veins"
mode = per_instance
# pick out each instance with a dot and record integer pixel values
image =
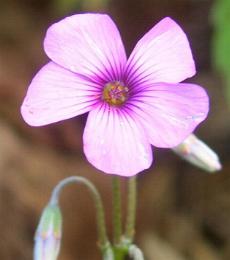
(169, 112)
(56, 94)
(162, 55)
(114, 143)
(87, 44)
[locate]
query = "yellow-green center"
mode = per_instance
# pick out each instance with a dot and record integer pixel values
(115, 93)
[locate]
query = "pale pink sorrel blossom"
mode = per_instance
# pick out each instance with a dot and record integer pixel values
(132, 103)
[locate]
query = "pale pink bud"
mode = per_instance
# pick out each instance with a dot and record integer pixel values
(48, 234)
(198, 153)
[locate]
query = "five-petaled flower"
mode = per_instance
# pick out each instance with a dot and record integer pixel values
(132, 103)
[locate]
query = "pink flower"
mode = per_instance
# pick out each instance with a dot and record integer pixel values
(132, 103)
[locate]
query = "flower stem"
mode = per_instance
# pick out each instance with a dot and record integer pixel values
(117, 226)
(131, 210)
(120, 252)
(103, 239)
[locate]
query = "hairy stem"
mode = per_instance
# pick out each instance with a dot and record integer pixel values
(131, 210)
(100, 216)
(117, 225)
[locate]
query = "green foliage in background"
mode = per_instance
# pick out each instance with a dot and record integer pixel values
(64, 7)
(221, 40)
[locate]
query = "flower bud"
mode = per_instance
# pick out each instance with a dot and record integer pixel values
(135, 253)
(198, 153)
(48, 234)
(108, 254)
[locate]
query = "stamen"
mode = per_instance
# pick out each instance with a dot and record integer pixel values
(115, 93)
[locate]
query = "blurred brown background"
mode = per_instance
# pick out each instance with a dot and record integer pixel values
(183, 212)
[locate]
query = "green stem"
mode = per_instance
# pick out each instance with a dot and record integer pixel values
(117, 226)
(103, 239)
(131, 210)
(120, 253)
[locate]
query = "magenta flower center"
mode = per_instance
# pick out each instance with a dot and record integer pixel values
(115, 93)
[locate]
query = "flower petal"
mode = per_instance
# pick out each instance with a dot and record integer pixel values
(162, 55)
(56, 94)
(88, 44)
(169, 112)
(114, 143)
